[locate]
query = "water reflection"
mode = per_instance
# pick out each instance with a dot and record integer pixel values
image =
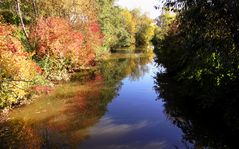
(17, 134)
(63, 119)
(126, 65)
(111, 129)
(134, 120)
(58, 120)
(208, 117)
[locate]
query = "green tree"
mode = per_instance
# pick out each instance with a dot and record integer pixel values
(144, 28)
(202, 44)
(113, 25)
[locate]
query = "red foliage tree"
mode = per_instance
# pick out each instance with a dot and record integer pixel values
(55, 37)
(14, 60)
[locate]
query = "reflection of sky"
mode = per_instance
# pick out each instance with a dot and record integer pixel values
(135, 120)
(146, 6)
(111, 135)
(108, 127)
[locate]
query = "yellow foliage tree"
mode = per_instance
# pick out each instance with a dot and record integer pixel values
(130, 23)
(17, 71)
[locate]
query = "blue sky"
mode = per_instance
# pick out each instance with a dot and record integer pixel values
(144, 5)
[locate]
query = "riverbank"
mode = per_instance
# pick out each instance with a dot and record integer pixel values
(49, 46)
(83, 77)
(80, 102)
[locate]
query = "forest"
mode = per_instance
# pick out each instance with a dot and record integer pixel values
(44, 42)
(95, 74)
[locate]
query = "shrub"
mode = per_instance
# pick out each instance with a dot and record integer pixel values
(94, 40)
(54, 69)
(55, 37)
(17, 70)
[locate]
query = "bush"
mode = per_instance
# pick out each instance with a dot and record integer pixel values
(54, 69)
(55, 37)
(93, 39)
(17, 71)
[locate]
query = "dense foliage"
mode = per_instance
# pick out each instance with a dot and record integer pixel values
(198, 45)
(45, 41)
(55, 38)
(202, 42)
(122, 27)
(17, 71)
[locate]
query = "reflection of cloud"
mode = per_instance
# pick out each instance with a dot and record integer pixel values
(108, 127)
(109, 134)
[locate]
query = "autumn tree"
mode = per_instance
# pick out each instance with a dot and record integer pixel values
(130, 23)
(17, 71)
(144, 28)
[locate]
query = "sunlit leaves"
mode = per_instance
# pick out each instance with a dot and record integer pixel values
(122, 27)
(130, 24)
(56, 38)
(17, 71)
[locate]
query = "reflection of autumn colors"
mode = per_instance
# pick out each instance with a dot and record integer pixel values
(64, 117)
(18, 134)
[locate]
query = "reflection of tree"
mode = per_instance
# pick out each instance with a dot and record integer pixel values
(71, 110)
(66, 122)
(209, 118)
(132, 66)
(11, 133)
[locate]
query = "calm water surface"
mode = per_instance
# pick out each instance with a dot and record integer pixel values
(120, 112)
(135, 119)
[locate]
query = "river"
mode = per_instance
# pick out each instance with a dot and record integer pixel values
(117, 110)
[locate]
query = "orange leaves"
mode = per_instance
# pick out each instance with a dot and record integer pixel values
(49, 33)
(11, 47)
(17, 70)
(77, 36)
(94, 36)
(6, 29)
(59, 48)
(94, 27)
(7, 40)
(55, 37)
(14, 61)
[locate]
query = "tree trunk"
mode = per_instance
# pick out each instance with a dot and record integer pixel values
(21, 19)
(35, 8)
